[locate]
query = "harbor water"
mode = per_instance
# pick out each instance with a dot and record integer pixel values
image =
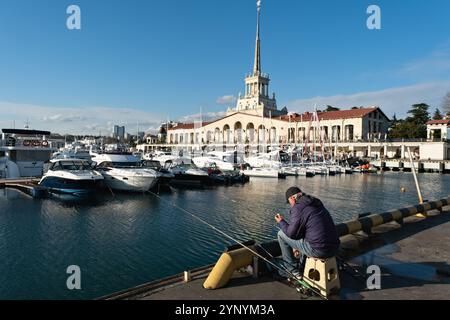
(123, 240)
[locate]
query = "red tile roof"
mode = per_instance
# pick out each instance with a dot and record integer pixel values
(332, 115)
(447, 122)
(187, 126)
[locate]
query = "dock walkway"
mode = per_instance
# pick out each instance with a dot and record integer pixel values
(414, 260)
(28, 186)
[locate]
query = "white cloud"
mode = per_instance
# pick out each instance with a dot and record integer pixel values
(76, 120)
(226, 100)
(204, 116)
(393, 100)
(434, 66)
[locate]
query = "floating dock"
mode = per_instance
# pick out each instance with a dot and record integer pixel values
(29, 187)
(413, 253)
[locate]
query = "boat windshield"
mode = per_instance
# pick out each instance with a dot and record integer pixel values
(151, 164)
(120, 165)
(71, 165)
(126, 164)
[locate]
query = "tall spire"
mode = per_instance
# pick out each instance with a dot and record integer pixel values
(257, 65)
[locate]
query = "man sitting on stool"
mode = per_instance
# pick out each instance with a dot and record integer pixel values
(310, 232)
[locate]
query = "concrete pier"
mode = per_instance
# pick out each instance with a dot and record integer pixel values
(413, 256)
(420, 166)
(29, 187)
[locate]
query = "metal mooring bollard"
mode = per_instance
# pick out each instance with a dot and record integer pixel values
(187, 276)
(255, 267)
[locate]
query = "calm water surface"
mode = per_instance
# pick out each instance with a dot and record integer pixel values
(129, 239)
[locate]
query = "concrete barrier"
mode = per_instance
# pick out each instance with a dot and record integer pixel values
(374, 220)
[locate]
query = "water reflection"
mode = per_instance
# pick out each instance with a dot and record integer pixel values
(124, 240)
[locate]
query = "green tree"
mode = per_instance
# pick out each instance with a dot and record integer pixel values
(394, 120)
(414, 126)
(331, 108)
(437, 115)
(419, 113)
(446, 104)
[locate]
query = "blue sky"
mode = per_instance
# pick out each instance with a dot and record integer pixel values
(151, 60)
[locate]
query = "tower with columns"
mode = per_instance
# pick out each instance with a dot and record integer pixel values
(257, 99)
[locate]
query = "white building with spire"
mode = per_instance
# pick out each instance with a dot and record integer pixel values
(256, 120)
(256, 99)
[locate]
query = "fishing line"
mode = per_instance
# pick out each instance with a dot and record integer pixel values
(280, 268)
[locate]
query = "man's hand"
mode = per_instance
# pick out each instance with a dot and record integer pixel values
(279, 218)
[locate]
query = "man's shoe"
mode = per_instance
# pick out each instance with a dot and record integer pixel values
(296, 274)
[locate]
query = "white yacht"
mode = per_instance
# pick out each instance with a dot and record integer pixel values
(73, 153)
(211, 159)
(125, 172)
(165, 158)
(319, 169)
(274, 159)
(23, 153)
(72, 177)
(264, 173)
(306, 172)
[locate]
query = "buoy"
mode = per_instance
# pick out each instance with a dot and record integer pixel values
(403, 189)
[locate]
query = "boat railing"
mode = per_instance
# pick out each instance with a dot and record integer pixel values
(28, 143)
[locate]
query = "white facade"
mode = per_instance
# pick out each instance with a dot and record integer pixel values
(434, 151)
(245, 128)
(438, 130)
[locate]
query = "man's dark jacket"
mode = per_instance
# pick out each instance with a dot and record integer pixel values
(311, 221)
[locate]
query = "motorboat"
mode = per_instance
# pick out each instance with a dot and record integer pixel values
(189, 175)
(319, 170)
(345, 170)
(24, 152)
(125, 172)
(165, 175)
(76, 153)
(216, 176)
(306, 172)
(264, 173)
(274, 159)
(165, 157)
(212, 160)
(290, 171)
(72, 177)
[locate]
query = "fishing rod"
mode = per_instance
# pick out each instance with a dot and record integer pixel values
(253, 210)
(300, 281)
(280, 268)
(352, 271)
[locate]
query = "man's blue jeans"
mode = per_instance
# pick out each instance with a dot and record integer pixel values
(287, 244)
